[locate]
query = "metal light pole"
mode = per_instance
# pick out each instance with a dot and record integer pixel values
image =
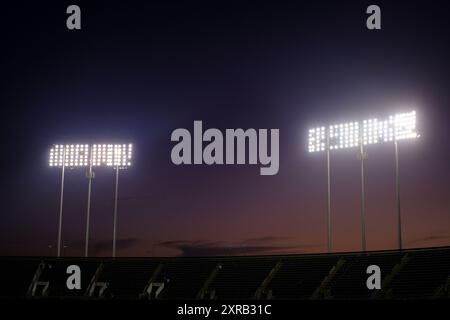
(115, 211)
(328, 198)
(90, 176)
(397, 196)
(61, 204)
(363, 202)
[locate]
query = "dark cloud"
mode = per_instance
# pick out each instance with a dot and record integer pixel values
(105, 246)
(254, 246)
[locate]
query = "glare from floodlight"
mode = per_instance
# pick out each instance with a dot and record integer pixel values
(348, 135)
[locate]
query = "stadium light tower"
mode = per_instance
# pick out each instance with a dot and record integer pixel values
(319, 140)
(359, 134)
(66, 156)
(85, 156)
(117, 156)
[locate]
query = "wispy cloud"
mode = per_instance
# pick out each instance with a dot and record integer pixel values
(428, 239)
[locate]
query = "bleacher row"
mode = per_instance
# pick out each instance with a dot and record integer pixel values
(408, 274)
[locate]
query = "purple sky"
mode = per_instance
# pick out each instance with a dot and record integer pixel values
(136, 72)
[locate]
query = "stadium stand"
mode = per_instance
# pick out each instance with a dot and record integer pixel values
(244, 274)
(407, 274)
(299, 278)
(425, 273)
(127, 278)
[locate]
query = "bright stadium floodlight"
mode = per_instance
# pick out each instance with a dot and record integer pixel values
(75, 156)
(359, 134)
(349, 135)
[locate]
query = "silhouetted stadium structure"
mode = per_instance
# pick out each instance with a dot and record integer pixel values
(406, 274)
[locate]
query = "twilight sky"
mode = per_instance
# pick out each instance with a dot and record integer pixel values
(139, 70)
